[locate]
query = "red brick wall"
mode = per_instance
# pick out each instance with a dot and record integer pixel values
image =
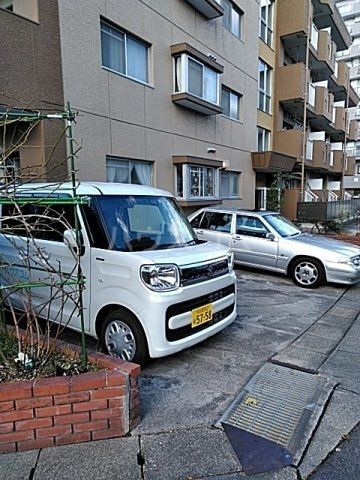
(57, 411)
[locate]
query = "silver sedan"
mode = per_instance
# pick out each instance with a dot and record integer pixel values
(269, 241)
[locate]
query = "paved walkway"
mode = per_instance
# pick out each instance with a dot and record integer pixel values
(316, 330)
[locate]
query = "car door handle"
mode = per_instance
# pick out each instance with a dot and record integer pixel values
(200, 231)
(237, 237)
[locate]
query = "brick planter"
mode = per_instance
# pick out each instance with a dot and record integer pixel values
(60, 410)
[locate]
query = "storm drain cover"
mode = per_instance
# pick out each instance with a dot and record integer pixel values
(271, 421)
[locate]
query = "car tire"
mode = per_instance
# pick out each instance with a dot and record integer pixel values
(123, 337)
(307, 272)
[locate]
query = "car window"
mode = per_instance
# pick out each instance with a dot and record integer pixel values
(252, 226)
(44, 222)
(219, 221)
(195, 222)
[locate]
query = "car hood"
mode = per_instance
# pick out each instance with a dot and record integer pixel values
(202, 252)
(337, 246)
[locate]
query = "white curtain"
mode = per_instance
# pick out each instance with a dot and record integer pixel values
(210, 85)
(117, 171)
(112, 49)
(136, 59)
(143, 173)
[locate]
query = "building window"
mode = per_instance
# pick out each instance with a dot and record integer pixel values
(266, 21)
(7, 5)
(10, 169)
(229, 184)
(232, 18)
(194, 182)
(194, 77)
(230, 103)
(264, 88)
(263, 139)
(119, 170)
(124, 54)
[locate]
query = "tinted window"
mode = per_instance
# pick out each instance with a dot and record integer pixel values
(196, 221)
(45, 222)
(218, 221)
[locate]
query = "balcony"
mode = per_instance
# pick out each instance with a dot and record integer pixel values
(352, 132)
(289, 142)
(290, 87)
(197, 91)
(272, 162)
(340, 117)
(323, 112)
(209, 8)
(340, 85)
(292, 19)
(320, 160)
(354, 99)
(349, 169)
(327, 15)
(336, 161)
(326, 50)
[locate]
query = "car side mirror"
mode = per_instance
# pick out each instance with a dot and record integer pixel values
(270, 236)
(70, 238)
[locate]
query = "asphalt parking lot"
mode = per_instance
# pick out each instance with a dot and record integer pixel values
(183, 396)
(195, 386)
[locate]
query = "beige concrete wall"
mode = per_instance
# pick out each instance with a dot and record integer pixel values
(30, 77)
(124, 118)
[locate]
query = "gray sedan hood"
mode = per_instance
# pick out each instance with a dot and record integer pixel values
(321, 241)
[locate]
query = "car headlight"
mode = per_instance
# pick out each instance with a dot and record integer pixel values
(160, 278)
(351, 261)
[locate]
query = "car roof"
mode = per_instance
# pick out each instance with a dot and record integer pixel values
(90, 188)
(237, 210)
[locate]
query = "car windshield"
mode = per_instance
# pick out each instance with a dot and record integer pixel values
(282, 225)
(137, 223)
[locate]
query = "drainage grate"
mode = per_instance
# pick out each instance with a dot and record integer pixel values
(274, 411)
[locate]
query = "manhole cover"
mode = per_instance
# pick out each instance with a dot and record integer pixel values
(270, 422)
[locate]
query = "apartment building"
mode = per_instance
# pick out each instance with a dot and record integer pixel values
(165, 90)
(303, 98)
(350, 12)
(30, 80)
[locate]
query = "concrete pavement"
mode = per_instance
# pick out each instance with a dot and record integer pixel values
(183, 396)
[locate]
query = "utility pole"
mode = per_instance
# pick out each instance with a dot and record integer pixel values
(304, 142)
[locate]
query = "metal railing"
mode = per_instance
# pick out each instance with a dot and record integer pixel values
(342, 209)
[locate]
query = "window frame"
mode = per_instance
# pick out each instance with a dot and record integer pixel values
(238, 97)
(207, 221)
(266, 92)
(266, 139)
(183, 187)
(131, 163)
(228, 4)
(267, 22)
(181, 77)
(134, 38)
(230, 173)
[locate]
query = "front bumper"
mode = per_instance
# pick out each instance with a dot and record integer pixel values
(342, 273)
(168, 324)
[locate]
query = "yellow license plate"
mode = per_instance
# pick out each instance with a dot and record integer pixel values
(201, 315)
